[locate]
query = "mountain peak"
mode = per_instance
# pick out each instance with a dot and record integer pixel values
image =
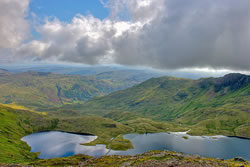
(233, 80)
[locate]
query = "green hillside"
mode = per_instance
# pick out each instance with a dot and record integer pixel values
(127, 77)
(42, 90)
(14, 124)
(17, 123)
(208, 106)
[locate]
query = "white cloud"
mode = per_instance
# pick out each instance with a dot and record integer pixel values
(13, 27)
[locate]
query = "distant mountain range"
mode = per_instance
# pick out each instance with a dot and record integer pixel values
(47, 89)
(95, 70)
(4, 72)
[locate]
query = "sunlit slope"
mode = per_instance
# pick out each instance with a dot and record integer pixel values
(40, 90)
(216, 105)
(14, 124)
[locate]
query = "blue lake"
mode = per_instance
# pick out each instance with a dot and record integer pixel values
(60, 144)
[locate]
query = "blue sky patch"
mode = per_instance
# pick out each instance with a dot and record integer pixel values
(65, 10)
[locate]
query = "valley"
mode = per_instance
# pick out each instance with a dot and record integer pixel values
(209, 106)
(102, 105)
(42, 90)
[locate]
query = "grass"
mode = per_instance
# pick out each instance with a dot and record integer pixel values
(19, 107)
(152, 158)
(202, 105)
(185, 137)
(104, 128)
(39, 90)
(76, 160)
(14, 124)
(157, 105)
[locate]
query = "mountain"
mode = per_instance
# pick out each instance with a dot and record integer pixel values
(61, 69)
(77, 70)
(128, 78)
(45, 89)
(71, 69)
(40, 89)
(208, 105)
(4, 72)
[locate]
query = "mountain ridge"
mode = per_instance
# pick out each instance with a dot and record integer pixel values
(48, 89)
(191, 102)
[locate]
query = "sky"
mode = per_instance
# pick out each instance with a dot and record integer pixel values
(160, 34)
(65, 10)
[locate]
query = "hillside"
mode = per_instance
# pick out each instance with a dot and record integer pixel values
(4, 72)
(44, 89)
(210, 105)
(148, 159)
(14, 124)
(128, 77)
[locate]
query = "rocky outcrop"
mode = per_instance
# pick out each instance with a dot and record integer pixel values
(234, 81)
(148, 159)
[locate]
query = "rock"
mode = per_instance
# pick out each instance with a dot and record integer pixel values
(125, 164)
(239, 159)
(159, 155)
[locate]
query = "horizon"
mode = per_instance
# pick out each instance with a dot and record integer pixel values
(181, 73)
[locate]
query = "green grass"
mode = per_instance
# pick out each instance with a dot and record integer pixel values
(40, 91)
(104, 128)
(208, 106)
(14, 124)
(75, 160)
(152, 158)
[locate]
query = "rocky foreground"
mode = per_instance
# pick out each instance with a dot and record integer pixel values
(148, 159)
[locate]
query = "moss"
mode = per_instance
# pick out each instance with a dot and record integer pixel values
(119, 143)
(185, 137)
(14, 124)
(152, 158)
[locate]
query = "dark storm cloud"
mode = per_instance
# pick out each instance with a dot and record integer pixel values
(191, 34)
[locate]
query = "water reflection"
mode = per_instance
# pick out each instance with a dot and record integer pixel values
(60, 144)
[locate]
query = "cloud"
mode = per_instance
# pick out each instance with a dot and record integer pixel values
(13, 27)
(164, 34)
(192, 33)
(85, 40)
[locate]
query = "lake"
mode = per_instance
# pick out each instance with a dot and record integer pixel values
(61, 144)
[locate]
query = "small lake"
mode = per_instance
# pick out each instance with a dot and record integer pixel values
(60, 144)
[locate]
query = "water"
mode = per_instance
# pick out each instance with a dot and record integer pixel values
(61, 144)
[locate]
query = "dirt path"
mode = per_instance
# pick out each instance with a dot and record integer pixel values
(111, 143)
